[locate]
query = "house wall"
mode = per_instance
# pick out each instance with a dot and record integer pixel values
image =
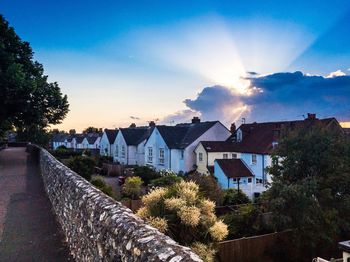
(140, 154)
(119, 142)
(85, 144)
(155, 141)
(177, 161)
(201, 165)
(105, 146)
(216, 133)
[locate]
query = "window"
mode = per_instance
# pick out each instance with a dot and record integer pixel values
(249, 179)
(259, 181)
(123, 151)
(234, 155)
(225, 156)
(200, 157)
(254, 159)
(182, 154)
(116, 153)
(234, 180)
(150, 155)
(161, 156)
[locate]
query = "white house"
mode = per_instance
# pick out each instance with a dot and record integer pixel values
(172, 147)
(58, 140)
(68, 141)
(77, 141)
(106, 142)
(252, 144)
(129, 145)
(91, 141)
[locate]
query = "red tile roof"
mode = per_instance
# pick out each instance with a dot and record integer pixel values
(234, 168)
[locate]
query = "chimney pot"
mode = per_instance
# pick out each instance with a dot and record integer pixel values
(196, 120)
(152, 123)
(132, 125)
(233, 128)
(311, 116)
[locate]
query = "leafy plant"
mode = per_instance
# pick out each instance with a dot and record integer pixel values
(132, 187)
(167, 179)
(146, 174)
(82, 165)
(101, 184)
(234, 197)
(181, 212)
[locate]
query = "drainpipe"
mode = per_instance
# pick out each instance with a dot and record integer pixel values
(263, 169)
(170, 158)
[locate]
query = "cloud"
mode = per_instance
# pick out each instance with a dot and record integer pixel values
(134, 118)
(278, 96)
(335, 74)
(181, 116)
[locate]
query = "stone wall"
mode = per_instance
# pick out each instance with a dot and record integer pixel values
(98, 228)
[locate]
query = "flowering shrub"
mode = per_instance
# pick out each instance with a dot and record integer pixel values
(180, 212)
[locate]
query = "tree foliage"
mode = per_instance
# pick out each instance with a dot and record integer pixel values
(82, 165)
(27, 100)
(146, 174)
(310, 192)
(132, 187)
(234, 197)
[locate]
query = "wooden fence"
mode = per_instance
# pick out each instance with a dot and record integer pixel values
(248, 249)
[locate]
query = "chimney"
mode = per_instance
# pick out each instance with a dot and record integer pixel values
(152, 123)
(133, 125)
(195, 120)
(311, 116)
(233, 128)
(243, 120)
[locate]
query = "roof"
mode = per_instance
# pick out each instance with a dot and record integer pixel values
(182, 135)
(92, 137)
(60, 137)
(111, 134)
(135, 135)
(70, 138)
(234, 168)
(79, 138)
(259, 137)
(218, 146)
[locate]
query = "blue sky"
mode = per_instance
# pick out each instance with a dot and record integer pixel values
(171, 60)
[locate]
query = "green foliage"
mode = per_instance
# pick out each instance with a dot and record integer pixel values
(64, 153)
(310, 192)
(146, 174)
(82, 165)
(245, 222)
(101, 184)
(166, 179)
(104, 159)
(132, 187)
(27, 100)
(234, 197)
(208, 186)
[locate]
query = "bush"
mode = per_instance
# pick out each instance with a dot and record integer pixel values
(146, 174)
(166, 179)
(208, 186)
(101, 184)
(64, 153)
(246, 222)
(234, 197)
(61, 147)
(132, 187)
(82, 165)
(104, 159)
(180, 212)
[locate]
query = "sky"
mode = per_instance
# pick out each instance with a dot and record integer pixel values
(136, 61)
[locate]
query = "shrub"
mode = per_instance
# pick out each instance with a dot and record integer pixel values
(146, 174)
(234, 197)
(82, 165)
(64, 153)
(184, 215)
(166, 179)
(101, 184)
(247, 221)
(104, 159)
(208, 186)
(132, 187)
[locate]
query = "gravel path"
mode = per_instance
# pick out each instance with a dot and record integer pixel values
(28, 228)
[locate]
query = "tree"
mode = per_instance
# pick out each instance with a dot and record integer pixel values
(234, 197)
(27, 100)
(146, 174)
(310, 193)
(91, 129)
(182, 213)
(132, 187)
(82, 165)
(208, 186)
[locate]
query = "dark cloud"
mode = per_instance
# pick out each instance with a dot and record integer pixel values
(278, 96)
(134, 117)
